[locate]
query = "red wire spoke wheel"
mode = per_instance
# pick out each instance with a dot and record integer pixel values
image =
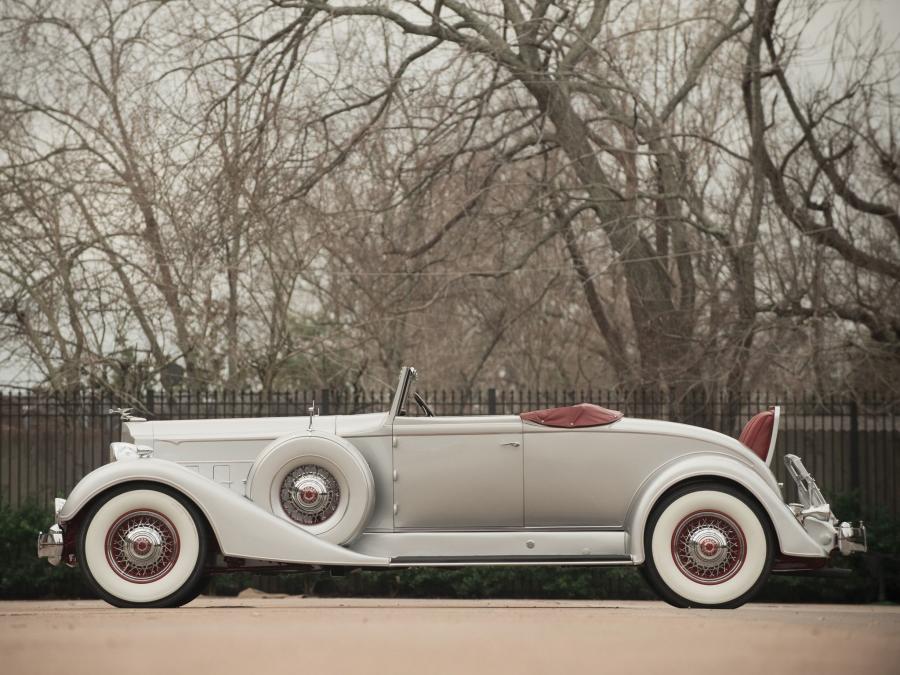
(142, 546)
(709, 547)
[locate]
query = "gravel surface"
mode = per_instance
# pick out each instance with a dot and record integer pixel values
(264, 634)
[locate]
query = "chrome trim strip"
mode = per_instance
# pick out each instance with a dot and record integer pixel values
(488, 529)
(215, 439)
(516, 559)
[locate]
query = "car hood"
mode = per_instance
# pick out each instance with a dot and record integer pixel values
(177, 432)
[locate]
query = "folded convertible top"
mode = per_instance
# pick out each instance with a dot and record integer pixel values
(581, 415)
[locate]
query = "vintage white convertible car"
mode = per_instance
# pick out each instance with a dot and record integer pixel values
(700, 512)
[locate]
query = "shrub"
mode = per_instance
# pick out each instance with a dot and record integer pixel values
(22, 574)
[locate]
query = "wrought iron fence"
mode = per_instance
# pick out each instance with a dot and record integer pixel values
(48, 441)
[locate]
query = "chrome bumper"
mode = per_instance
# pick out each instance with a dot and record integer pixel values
(814, 514)
(50, 543)
(852, 539)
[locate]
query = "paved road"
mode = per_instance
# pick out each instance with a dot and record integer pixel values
(262, 635)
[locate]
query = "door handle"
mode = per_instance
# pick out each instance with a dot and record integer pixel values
(514, 444)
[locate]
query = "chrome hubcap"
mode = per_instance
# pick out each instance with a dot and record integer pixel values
(708, 547)
(142, 546)
(310, 494)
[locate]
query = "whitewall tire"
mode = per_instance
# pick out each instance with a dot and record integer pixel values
(708, 545)
(319, 483)
(143, 546)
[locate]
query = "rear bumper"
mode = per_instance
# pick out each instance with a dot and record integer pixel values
(814, 514)
(852, 538)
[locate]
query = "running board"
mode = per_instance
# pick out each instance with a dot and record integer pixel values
(497, 547)
(463, 560)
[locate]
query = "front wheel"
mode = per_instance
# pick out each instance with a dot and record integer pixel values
(708, 545)
(143, 546)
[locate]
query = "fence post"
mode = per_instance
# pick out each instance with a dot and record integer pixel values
(325, 404)
(492, 401)
(854, 446)
(149, 403)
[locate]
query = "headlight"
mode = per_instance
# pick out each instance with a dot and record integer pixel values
(121, 451)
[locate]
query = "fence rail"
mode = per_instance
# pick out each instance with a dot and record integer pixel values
(48, 441)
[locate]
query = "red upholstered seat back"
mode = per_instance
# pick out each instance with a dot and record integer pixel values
(757, 433)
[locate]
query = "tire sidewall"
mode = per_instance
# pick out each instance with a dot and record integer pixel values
(332, 453)
(178, 586)
(662, 571)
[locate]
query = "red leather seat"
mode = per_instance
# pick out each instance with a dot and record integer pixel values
(757, 433)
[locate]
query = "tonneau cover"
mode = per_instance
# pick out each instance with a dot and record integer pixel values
(572, 416)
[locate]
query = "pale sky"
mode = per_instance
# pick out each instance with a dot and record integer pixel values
(867, 13)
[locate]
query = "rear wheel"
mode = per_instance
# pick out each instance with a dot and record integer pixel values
(143, 546)
(708, 545)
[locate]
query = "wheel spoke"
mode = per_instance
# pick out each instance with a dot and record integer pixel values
(310, 494)
(142, 546)
(708, 547)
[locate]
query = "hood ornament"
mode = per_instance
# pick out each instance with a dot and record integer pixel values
(125, 415)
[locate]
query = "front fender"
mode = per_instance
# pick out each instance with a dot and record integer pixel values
(792, 538)
(242, 529)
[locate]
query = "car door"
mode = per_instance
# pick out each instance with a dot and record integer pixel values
(458, 473)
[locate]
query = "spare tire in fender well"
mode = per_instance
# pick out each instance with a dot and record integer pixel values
(341, 488)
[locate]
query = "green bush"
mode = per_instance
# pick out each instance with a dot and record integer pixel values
(22, 574)
(583, 583)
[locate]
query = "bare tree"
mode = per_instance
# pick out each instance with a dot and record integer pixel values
(830, 169)
(522, 193)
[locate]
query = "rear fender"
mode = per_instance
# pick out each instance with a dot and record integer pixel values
(793, 540)
(242, 529)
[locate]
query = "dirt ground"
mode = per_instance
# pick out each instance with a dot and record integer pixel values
(259, 634)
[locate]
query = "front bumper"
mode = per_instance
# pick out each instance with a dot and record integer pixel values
(814, 514)
(50, 544)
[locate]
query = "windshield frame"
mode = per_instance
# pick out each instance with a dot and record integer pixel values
(408, 377)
